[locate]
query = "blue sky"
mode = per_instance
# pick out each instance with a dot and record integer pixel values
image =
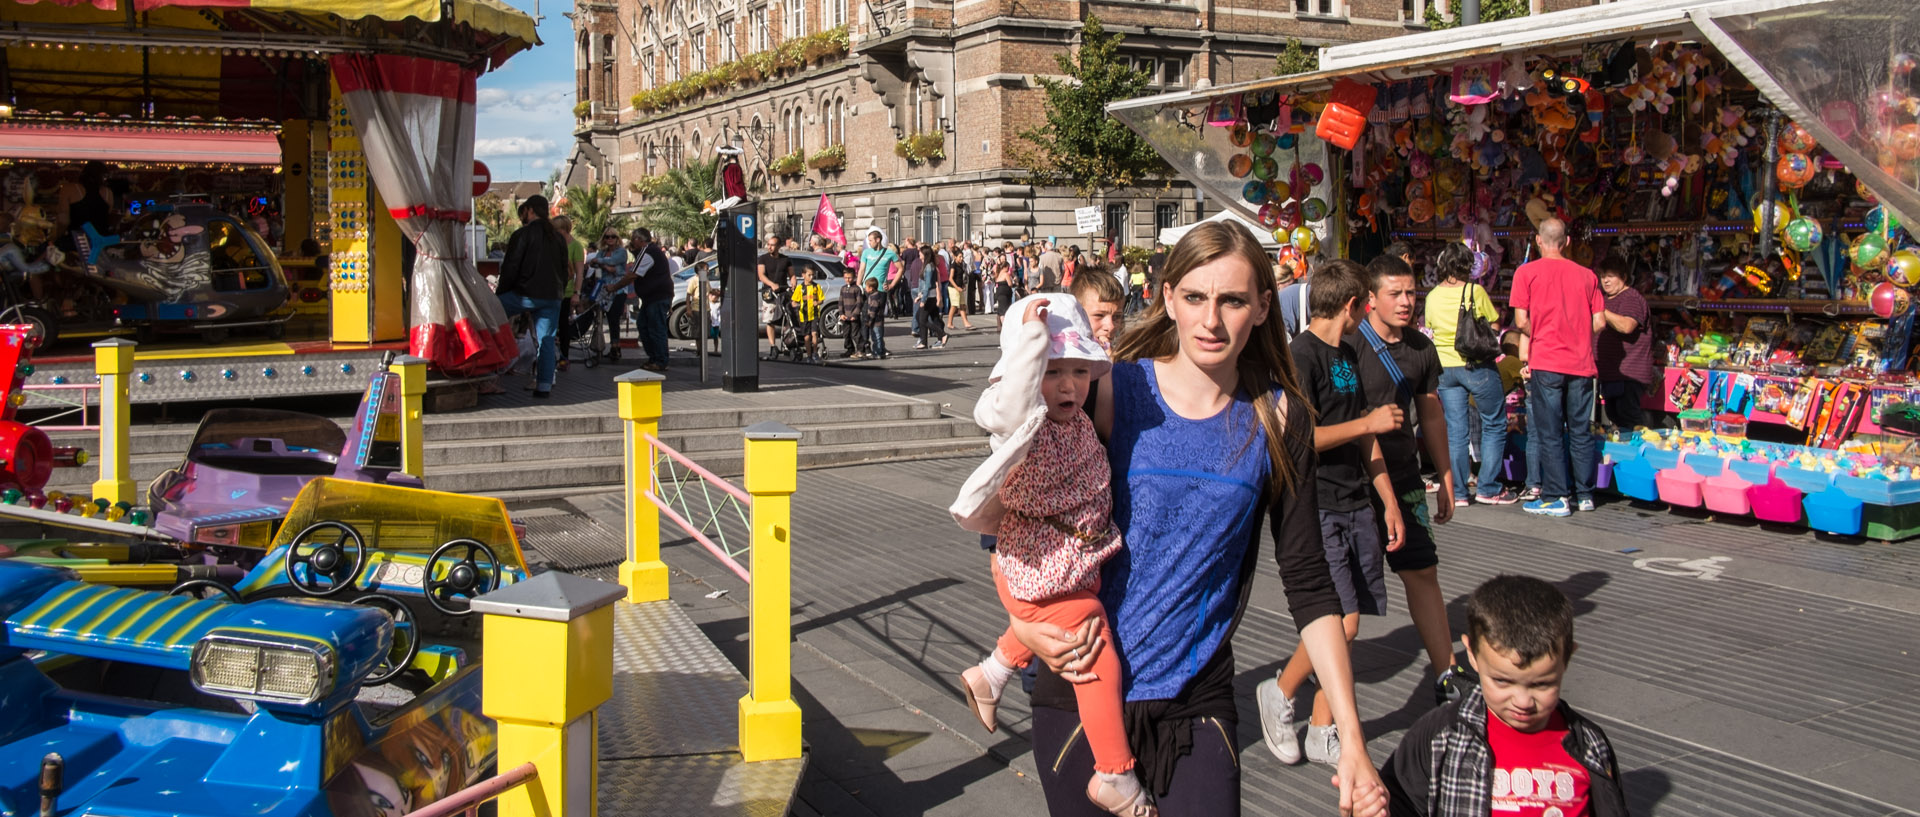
(525, 109)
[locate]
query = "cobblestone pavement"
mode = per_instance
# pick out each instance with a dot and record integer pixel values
(1739, 671)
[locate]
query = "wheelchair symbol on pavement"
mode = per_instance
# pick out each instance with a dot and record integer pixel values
(1706, 570)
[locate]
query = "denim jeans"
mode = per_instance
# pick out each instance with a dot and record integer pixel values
(653, 330)
(1481, 383)
(1560, 415)
(546, 325)
(877, 338)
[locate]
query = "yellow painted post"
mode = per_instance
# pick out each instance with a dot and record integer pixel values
(769, 719)
(413, 392)
(113, 362)
(643, 573)
(546, 665)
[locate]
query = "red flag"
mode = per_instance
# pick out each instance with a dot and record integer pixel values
(826, 223)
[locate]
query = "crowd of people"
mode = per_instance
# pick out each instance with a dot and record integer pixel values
(1132, 471)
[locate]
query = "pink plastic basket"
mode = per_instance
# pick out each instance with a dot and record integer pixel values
(1775, 501)
(1726, 492)
(1680, 486)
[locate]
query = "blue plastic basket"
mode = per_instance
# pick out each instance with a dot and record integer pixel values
(1635, 478)
(1834, 512)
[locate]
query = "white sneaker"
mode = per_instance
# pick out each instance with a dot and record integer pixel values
(1276, 722)
(1323, 744)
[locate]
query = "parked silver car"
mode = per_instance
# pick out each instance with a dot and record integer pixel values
(827, 272)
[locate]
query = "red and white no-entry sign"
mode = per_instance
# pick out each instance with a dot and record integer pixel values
(482, 178)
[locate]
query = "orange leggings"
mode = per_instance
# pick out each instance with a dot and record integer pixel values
(1100, 699)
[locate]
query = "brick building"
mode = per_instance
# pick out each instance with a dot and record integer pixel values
(871, 77)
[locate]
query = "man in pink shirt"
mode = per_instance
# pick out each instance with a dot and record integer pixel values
(1558, 307)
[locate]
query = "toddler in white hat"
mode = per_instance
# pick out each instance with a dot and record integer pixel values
(1045, 493)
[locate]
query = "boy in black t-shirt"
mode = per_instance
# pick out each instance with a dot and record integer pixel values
(774, 270)
(1399, 365)
(1328, 368)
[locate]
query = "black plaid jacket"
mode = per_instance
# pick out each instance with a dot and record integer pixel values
(1444, 766)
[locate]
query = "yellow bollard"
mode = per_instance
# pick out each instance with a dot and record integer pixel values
(546, 665)
(413, 392)
(769, 719)
(113, 362)
(643, 573)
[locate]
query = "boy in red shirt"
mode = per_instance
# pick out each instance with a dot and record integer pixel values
(1510, 747)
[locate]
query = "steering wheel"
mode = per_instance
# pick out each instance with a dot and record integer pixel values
(464, 578)
(338, 561)
(194, 588)
(406, 639)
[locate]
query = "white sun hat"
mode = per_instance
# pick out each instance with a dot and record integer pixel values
(1068, 328)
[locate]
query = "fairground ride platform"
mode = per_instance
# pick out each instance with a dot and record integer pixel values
(191, 370)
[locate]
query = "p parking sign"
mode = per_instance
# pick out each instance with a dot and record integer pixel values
(743, 223)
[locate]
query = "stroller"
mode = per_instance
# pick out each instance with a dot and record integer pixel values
(590, 330)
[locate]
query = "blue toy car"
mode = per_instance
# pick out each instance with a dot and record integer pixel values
(335, 679)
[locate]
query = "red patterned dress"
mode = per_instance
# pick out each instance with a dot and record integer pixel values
(1058, 528)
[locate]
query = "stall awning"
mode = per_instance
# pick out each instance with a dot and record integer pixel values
(159, 145)
(490, 16)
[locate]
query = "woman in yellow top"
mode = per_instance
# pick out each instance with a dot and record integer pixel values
(1468, 390)
(807, 298)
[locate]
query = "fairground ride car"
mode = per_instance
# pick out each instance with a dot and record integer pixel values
(340, 677)
(187, 266)
(246, 465)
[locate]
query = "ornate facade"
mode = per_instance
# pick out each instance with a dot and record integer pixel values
(904, 111)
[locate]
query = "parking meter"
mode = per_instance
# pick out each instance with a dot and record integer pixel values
(734, 247)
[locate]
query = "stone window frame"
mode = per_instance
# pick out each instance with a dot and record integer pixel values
(759, 29)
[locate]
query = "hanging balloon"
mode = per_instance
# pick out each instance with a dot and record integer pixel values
(1803, 234)
(1286, 141)
(1240, 136)
(1796, 139)
(1420, 210)
(1903, 269)
(1794, 171)
(1290, 214)
(1881, 221)
(1868, 252)
(1905, 142)
(1264, 168)
(1313, 174)
(1278, 190)
(1865, 192)
(1254, 193)
(1262, 145)
(1269, 215)
(1314, 209)
(1283, 235)
(1304, 240)
(1888, 300)
(1240, 165)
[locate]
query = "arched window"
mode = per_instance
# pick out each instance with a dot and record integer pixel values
(840, 120)
(608, 88)
(826, 122)
(693, 147)
(650, 152)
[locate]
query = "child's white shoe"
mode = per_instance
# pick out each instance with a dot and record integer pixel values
(1121, 794)
(982, 698)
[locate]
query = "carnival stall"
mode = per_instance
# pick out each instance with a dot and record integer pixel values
(1752, 163)
(266, 160)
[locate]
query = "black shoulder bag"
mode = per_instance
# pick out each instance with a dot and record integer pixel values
(1473, 336)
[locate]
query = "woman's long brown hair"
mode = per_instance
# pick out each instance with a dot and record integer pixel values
(1264, 363)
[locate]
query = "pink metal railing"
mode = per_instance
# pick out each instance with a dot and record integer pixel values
(72, 406)
(472, 796)
(707, 478)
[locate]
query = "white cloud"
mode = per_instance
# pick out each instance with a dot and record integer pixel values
(543, 99)
(513, 146)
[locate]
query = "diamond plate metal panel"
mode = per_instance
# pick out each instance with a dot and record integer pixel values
(673, 692)
(572, 543)
(699, 786)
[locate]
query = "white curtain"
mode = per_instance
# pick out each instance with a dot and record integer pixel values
(415, 120)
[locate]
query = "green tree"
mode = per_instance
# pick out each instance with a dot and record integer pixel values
(492, 213)
(676, 207)
(1490, 11)
(1079, 145)
(591, 209)
(1296, 59)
